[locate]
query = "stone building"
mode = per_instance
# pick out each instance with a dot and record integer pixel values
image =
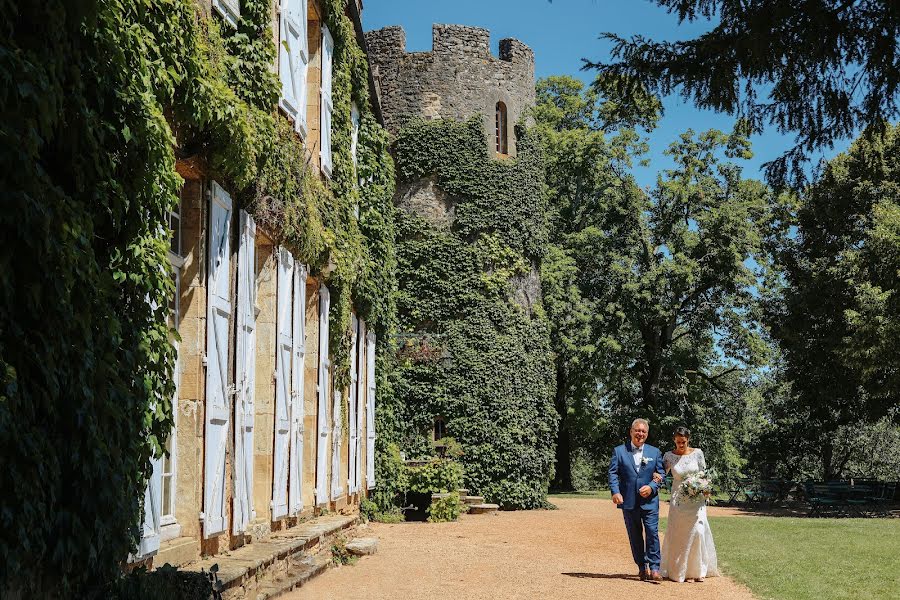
(458, 79)
(258, 444)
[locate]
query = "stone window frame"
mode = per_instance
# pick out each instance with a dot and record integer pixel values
(169, 527)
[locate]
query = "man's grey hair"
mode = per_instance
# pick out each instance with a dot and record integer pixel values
(642, 422)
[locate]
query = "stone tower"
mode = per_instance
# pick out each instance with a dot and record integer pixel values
(456, 80)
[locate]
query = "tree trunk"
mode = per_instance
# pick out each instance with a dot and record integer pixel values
(827, 456)
(562, 478)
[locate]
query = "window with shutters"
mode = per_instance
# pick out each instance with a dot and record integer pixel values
(293, 61)
(502, 145)
(327, 107)
(229, 9)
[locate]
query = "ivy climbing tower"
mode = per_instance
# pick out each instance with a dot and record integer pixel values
(474, 359)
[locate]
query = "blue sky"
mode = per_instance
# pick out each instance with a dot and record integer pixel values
(563, 32)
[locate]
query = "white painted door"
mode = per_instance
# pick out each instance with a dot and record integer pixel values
(323, 386)
(360, 399)
(245, 375)
(352, 405)
(218, 393)
(283, 352)
(370, 410)
(150, 538)
(295, 493)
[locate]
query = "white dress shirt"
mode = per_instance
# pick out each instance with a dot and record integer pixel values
(637, 453)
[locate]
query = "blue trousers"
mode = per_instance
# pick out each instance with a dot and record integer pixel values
(642, 524)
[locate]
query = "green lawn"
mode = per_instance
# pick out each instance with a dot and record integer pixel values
(604, 494)
(786, 558)
(816, 559)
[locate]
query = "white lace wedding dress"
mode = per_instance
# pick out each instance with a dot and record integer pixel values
(688, 551)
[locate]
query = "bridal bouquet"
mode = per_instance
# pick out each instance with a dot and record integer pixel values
(695, 487)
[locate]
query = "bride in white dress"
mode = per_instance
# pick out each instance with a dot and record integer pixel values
(688, 551)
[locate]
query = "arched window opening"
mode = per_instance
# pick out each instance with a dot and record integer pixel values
(501, 129)
(440, 428)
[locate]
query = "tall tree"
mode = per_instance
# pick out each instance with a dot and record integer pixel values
(585, 166)
(651, 297)
(839, 316)
(822, 69)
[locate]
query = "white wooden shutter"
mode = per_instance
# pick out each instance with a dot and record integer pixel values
(352, 487)
(360, 399)
(295, 493)
(229, 9)
(337, 438)
(327, 105)
(245, 375)
(283, 358)
(370, 410)
(218, 392)
(323, 387)
(150, 539)
(293, 61)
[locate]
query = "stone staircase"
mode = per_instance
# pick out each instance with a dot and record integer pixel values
(279, 562)
(475, 504)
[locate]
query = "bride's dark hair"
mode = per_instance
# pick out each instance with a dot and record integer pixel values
(682, 431)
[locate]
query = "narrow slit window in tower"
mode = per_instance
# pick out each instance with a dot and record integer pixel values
(500, 129)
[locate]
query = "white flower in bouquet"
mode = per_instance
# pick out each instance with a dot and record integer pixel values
(695, 487)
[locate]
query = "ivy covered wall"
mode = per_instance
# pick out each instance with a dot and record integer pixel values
(101, 97)
(485, 364)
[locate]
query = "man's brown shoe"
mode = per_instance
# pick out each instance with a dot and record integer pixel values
(655, 576)
(644, 574)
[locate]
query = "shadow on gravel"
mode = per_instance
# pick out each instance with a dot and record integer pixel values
(604, 576)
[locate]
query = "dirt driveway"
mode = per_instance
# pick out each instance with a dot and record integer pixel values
(579, 551)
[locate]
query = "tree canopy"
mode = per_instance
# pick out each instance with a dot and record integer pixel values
(821, 69)
(652, 296)
(837, 314)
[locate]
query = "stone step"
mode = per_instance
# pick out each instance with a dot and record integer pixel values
(483, 509)
(463, 492)
(177, 552)
(363, 546)
(439, 496)
(297, 575)
(244, 571)
(474, 500)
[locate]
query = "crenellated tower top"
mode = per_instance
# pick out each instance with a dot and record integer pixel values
(457, 79)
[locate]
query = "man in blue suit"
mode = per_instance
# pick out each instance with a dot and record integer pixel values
(636, 491)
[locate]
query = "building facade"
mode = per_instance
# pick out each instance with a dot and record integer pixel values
(263, 436)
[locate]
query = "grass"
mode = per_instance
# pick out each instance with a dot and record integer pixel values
(787, 558)
(811, 559)
(594, 494)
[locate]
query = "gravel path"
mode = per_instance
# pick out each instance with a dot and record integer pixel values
(578, 551)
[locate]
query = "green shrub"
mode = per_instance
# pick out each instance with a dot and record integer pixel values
(438, 475)
(394, 515)
(445, 509)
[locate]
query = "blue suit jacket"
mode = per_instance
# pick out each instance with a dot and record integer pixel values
(625, 479)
